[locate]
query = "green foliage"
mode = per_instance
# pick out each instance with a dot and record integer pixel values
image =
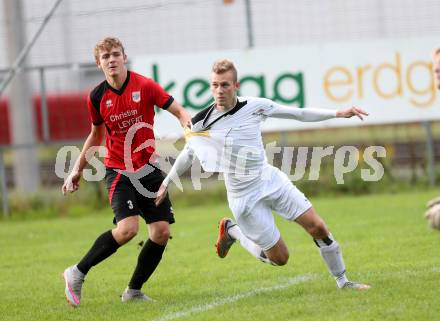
(384, 238)
(354, 184)
(212, 191)
(92, 197)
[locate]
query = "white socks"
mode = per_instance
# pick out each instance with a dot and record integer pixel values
(246, 243)
(328, 247)
(332, 255)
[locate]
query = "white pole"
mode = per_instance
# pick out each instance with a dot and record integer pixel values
(26, 49)
(430, 155)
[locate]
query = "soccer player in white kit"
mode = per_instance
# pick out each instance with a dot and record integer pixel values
(226, 138)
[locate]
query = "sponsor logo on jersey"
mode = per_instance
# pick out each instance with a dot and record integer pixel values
(136, 96)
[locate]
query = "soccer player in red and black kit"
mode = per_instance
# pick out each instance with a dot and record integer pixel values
(122, 109)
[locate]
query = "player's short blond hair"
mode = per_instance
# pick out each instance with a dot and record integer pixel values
(107, 44)
(224, 65)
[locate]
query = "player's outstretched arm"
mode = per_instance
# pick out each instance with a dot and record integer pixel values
(350, 112)
(302, 114)
(180, 113)
(182, 163)
(71, 184)
(312, 114)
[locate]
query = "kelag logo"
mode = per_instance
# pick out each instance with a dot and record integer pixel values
(391, 80)
(386, 81)
(287, 88)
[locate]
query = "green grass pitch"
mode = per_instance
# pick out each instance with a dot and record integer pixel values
(384, 238)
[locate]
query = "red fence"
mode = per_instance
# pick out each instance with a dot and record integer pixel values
(68, 117)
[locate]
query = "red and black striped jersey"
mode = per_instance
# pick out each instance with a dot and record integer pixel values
(128, 115)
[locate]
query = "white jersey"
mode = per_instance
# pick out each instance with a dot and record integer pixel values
(231, 142)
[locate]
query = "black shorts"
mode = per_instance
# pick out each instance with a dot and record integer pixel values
(127, 200)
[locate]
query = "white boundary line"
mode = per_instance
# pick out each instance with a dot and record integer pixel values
(202, 308)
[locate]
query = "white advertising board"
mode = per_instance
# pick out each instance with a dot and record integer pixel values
(390, 79)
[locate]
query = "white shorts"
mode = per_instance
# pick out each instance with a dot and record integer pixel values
(253, 212)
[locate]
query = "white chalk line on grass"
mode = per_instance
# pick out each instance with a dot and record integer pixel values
(202, 308)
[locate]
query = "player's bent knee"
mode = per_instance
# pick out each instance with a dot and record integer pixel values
(318, 229)
(279, 261)
(160, 235)
(278, 254)
(282, 262)
(163, 235)
(126, 234)
(159, 232)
